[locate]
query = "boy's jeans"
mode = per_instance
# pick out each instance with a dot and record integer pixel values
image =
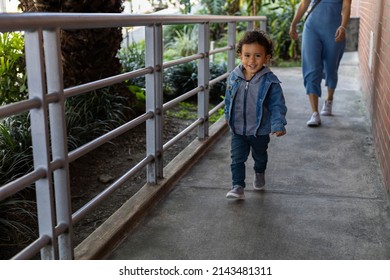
(241, 145)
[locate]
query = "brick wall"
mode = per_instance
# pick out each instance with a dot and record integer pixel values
(374, 67)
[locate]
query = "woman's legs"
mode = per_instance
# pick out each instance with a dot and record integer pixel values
(330, 94)
(315, 119)
(312, 70)
(313, 99)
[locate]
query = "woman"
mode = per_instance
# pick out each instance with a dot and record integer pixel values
(323, 44)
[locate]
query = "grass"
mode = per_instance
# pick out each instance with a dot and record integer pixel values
(188, 111)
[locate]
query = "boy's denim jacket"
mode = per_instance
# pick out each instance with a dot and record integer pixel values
(270, 117)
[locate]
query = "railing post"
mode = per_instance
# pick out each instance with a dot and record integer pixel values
(231, 42)
(40, 140)
(154, 101)
(250, 26)
(263, 25)
(52, 48)
(203, 78)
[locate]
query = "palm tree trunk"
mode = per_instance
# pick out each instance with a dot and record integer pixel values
(88, 54)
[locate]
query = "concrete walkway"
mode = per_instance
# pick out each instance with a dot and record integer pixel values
(324, 197)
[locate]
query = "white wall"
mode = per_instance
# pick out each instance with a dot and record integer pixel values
(9, 6)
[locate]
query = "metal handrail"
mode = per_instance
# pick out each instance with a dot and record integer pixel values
(34, 21)
(47, 111)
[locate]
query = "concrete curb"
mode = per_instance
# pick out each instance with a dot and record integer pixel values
(116, 228)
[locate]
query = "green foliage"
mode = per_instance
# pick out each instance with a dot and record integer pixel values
(280, 15)
(185, 6)
(188, 111)
(89, 116)
(16, 216)
(133, 58)
(15, 148)
(215, 117)
(215, 7)
(184, 43)
(180, 79)
(185, 111)
(15, 161)
(13, 79)
(184, 77)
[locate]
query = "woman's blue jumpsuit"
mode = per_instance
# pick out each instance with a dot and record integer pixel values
(321, 54)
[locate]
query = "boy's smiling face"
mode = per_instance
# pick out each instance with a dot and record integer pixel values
(253, 57)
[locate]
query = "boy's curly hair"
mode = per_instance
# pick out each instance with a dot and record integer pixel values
(256, 36)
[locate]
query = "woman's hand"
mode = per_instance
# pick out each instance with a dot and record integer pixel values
(340, 34)
(293, 32)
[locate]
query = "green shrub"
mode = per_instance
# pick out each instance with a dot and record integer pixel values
(184, 43)
(16, 212)
(15, 148)
(17, 217)
(13, 79)
(279, 15)
(182, 78)
(133, 58)
(91, 115)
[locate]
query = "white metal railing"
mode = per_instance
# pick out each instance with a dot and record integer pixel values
(47, 111)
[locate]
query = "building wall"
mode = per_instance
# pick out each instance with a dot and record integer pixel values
(374, 57)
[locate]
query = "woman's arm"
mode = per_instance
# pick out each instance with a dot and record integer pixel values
(345, 16)
(302, 8)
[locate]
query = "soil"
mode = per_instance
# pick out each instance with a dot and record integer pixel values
(94, 172)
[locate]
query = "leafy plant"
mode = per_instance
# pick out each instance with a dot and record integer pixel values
(133, 58)
(180, 79)
(280, 14)
(185, 43)
(15, 148)
(185, 111)
(17, 216)
(89, 116)
(16, 212)
(184, 77)
(13, 79)
(215, 117)
(215, 7)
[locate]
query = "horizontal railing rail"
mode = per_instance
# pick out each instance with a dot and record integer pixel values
(46, 109)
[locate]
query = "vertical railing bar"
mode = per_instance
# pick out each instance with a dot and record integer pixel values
(150, 103)
(153, 83)
(250, 25)
(231, 42)
(263, 24)
(52, 47)
(203, 79)
(158, 52)
(40, 140)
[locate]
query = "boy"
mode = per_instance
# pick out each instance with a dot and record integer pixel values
(254, 108)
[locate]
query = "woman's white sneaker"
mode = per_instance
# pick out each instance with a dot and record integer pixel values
(327, 108)
(314, 120)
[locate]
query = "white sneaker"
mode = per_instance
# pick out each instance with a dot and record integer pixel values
(327, 108)
(314, 120)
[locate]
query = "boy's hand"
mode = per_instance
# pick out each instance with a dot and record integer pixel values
(279, 133)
